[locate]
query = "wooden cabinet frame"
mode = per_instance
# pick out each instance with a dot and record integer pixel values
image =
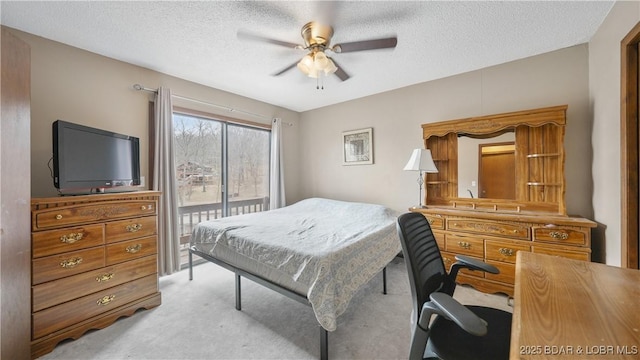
(540, 181)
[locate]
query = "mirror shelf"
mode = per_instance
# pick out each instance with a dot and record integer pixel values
(538, 162)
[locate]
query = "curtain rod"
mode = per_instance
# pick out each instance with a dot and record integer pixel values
(142, 88)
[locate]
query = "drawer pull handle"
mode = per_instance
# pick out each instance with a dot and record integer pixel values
(134, 227)
(506, 251)
(105, 277)
(106, 300)
(132, 249)
(71, 238)
(560, 235)
(430, 221)
(71, 263)
(58, 217)
(143, 208)
(464, 245)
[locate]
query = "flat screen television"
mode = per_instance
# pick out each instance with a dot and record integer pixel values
(88, 160)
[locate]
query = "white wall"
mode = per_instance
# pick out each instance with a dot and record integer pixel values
(78, 86)
(556, 78)
(604, 85)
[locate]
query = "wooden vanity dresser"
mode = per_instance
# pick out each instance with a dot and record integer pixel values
(94, 259)
(495, 229)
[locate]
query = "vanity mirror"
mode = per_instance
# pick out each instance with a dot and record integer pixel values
(487, 169)
(524, 212)
(510, 162)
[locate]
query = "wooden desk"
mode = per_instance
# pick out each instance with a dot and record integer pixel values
(571, 309)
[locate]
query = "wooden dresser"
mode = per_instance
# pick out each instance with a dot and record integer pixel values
(518, 203)
(94, 259)
(496, 239)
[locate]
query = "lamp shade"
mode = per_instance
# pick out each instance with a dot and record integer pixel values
(421, 160)
(330, 68)
(320, 61)
(306, 64)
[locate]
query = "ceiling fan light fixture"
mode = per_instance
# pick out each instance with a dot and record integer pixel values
(314, 73)
(315, 63)
(330, 68)
(320, 61)
(306, 64)
(317, 40)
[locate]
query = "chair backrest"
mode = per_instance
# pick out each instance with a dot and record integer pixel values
(425, 267)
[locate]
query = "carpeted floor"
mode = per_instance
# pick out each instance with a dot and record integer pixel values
(198, 320)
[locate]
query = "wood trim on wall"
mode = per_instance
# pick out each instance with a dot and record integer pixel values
(629, 147)
(15, 186)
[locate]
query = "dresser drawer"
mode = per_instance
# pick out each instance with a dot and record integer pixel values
(132, 249)
(72, 312)
(80, 214)
(465, 245)
(67, 264)
(53, 242)
(563, 252)
(560, 235)
(66, 289)
(130, 229)
(449, 259)
(435, 221)
(489, 228)
(504, 250)
(507, 272)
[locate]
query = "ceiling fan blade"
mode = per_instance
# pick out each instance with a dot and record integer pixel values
(340, 73)
(285, 69)
(366, 45)
(244, 35)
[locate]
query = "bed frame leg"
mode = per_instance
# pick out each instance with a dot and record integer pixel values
(238, 294)
(384, 280)
(324, 344)
(190, 265)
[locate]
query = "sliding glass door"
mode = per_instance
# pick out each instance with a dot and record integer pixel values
(247, 169)
(197, 152)
(222, 169)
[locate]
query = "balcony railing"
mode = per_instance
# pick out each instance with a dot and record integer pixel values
(190, 215)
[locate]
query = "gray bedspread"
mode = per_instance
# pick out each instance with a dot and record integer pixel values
(326, 248)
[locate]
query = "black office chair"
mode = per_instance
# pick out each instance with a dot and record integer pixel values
(458, 332)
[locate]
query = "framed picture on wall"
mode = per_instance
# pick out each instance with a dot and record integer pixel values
(357, 147)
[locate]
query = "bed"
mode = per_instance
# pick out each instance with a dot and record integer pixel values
(318, 251)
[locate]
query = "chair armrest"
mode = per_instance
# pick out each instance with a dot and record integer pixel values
(444, 305)
(451, 309)
(473, 264)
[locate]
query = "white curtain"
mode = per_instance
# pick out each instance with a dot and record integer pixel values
(164, 181)
(276, 180)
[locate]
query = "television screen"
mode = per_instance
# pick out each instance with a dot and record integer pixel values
(93, 159)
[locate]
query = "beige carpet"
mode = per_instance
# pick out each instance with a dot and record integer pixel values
(198, 320)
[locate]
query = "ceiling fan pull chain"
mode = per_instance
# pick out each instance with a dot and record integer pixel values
(319, 82)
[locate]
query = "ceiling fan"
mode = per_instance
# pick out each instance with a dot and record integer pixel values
(317, 40)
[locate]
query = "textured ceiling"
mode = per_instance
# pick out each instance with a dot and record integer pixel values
(198, 41)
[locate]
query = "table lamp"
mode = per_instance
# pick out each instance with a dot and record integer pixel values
(421, 161)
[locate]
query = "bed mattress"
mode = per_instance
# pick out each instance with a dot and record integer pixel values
(320, 248)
